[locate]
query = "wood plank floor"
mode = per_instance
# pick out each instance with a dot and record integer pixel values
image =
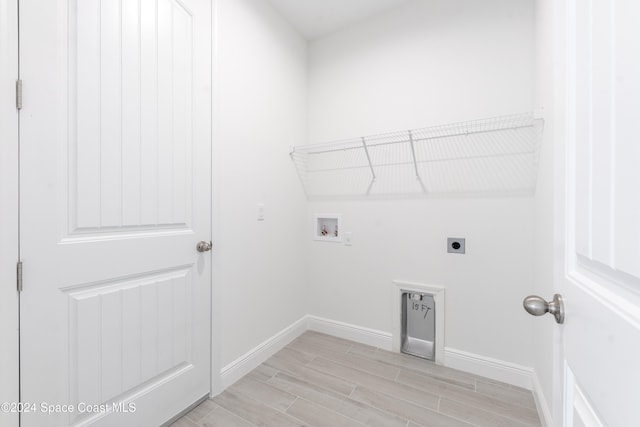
(323, 381)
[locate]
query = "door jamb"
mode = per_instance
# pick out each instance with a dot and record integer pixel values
(9, 217)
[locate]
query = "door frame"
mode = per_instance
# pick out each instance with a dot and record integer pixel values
(561, 190)
(9, 244)
(216, 290)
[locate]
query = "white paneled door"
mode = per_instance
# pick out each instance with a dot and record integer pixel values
(599, 211)
(115, 194)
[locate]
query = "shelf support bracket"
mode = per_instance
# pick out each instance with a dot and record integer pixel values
(413, 155)
(366, 151)
(373, 173)
(415, 162)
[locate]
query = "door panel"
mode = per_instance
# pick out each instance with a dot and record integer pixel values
(115, 168)
(127, 170)
(128, 332)
(606, 107)
(601, 284)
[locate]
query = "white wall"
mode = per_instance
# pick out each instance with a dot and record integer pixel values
(259, 111)
(406, 240)
(8, 208)
(427, 63)
(423, 64)
(543, 277)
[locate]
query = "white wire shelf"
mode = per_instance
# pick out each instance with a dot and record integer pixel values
(497, 155)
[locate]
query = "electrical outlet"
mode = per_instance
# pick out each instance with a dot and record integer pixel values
(456, 245)
(260, 212)
(347, 238)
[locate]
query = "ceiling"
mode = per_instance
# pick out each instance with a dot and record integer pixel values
(317, 18)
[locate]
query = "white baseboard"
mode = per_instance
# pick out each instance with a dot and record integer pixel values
(499, 370)
(495, 369)
(541, 402)
(259, 354)
(350, 332)
(488, 367)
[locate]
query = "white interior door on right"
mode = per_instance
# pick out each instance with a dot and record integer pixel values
(601, 278)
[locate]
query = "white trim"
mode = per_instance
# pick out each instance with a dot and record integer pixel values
(544, 413)
(488, 367)
(499, 370)
(359, 334)
(216, 386)
(584, 410)
(622, 303)
(9, 321)
(495, 369)
(256, 356)
(438, 297)
(568, 383)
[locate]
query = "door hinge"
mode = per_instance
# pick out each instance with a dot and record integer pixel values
(19, 94)
(19, 275)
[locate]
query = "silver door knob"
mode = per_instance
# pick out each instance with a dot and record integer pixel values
(537, 306)
(203, 246)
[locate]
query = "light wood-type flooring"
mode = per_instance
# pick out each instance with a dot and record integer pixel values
(323, 381)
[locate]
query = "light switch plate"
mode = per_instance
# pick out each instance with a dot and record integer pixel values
(456, 245)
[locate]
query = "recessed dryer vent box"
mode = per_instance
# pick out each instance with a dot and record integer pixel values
(327, 227)
(418, 325)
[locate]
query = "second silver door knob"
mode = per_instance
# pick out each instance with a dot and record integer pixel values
(203, 246)
(537, 306)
